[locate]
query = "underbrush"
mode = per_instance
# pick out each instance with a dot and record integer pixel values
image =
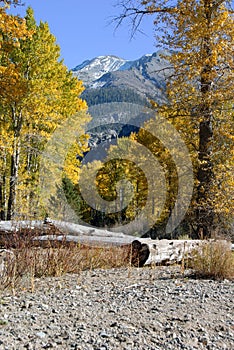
(213, 260)
(32, 262)
(27, 262)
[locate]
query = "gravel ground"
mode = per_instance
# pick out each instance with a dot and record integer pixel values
(120, 309)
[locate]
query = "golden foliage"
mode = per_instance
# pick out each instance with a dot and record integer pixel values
(37, 93)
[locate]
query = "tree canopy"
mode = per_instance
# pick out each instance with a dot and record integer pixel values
(41, 96)
(200, 95)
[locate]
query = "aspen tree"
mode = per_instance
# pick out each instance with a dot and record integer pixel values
(29, 117)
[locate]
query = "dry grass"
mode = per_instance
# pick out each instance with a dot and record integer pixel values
(32, 262)
(213, 260)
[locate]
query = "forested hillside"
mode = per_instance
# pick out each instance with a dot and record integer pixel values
(113, 94)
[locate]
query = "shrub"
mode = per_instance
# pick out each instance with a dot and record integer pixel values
(213, 260)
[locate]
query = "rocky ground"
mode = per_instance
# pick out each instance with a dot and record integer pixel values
(126, 309)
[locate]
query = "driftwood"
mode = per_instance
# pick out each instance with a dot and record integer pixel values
(166, 252)
(57, 231)
(142, 251)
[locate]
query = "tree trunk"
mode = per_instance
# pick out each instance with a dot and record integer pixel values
(2, 216)
(3, 189)
(204, 210)
(205, 214)
(13, 180)
(15, 157)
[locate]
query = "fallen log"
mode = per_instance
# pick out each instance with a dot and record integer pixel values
(93, 241)
(146, 251)
(58, 231)
(142, 251)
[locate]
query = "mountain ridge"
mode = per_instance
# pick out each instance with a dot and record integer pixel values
(145, 75)
(118, 92)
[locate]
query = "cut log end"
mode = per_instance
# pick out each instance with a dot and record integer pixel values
(139, 253)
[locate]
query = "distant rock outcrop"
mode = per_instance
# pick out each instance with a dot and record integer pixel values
(118, 91)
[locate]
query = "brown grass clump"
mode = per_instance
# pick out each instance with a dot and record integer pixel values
(213, 260)
(56, 259)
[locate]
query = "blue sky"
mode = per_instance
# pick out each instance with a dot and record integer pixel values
(83, 31)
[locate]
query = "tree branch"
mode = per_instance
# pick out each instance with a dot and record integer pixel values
(136, 14)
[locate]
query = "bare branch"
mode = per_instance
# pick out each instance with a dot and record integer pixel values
(136, 14)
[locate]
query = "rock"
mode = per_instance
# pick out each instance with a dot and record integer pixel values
(103, 334)
(148, 313)
(41, 334)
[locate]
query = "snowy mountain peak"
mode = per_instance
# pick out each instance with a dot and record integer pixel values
(104, 71)
(95, 68)
(109, 62)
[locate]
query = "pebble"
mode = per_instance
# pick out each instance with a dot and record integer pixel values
(119, 309)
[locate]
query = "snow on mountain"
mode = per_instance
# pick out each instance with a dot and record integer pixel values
(110, 80)
(91, 70)
(103, 71)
